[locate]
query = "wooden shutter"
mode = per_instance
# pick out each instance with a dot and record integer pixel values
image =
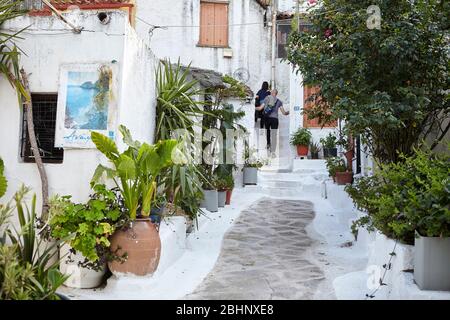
(313, 123)
(213, 24)
(207, 24)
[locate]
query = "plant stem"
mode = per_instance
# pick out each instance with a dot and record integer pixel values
(27, 104)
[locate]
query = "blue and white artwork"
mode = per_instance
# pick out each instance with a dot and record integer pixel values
(83, 110)
(86, 102)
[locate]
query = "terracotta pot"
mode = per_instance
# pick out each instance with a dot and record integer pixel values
(343, 178)
(302, 150)
(228, 199)
(141, 242)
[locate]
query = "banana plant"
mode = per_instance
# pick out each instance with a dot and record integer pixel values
(134, 171)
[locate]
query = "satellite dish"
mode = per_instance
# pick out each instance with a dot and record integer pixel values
(242, 74)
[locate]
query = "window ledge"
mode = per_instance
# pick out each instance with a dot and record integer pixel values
(212, 46)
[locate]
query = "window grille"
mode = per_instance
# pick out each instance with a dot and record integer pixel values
(44, 116)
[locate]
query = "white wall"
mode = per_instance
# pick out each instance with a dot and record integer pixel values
(138, 97)
(48, 44)
(250, 43)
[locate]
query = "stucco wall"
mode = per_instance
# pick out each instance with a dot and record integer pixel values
(138, 96)
(48, 44)
(250, 43)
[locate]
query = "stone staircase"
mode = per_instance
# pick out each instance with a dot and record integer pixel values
(306, 178)
(283, 160)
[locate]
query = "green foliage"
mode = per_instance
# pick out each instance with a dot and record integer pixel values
(314, 147)
(224, 182)
(87, 226)
(235, 88)
(3, 181)
(9, 53)
(406, 197)
(329, 142)
(335, 164)
(388, 84)
(136, 170)
(26, 271)
(178, 108)
(301, 137)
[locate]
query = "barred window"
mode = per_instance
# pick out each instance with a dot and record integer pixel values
(44, 118)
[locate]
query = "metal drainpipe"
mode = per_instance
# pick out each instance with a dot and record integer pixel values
(274, 41)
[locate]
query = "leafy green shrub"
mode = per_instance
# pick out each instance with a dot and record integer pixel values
(302, 137)
(329, 141)
(335, 164)
(135, 171)
(89, 225)
(409, 196)
(27, 273)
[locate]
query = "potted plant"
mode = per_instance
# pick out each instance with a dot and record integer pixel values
(314, 149)
(157, 210)
(409, 201)
(346, 142)
(329, 146)
(87, 226)
(221, 185)
(229, 186)
(335, 165)
(251, 165)
(301, 139)
(26, 273)
(344, 177)
(210, 195)
(135, 172)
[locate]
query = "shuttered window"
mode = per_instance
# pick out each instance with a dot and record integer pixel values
(313, 123)
(214, 24)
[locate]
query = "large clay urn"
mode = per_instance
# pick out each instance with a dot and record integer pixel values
(141, 242)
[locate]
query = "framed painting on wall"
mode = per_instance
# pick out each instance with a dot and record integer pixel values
(87, 101)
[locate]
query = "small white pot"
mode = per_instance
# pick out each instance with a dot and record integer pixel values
(250, 176)
(80, 277)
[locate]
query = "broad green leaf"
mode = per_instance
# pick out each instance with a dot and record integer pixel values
(100, 171)
(127, 139)
(126, 167)
(3, 185)
(105, 145)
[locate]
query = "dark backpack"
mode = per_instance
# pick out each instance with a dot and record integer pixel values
(268, 109)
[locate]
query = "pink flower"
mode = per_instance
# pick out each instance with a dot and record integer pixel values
(312, 1)
(328, 33)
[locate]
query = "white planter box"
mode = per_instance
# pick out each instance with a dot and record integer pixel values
(432, 263)
(250, 176)
(81, 278)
